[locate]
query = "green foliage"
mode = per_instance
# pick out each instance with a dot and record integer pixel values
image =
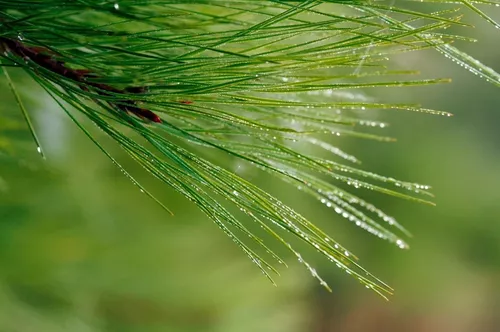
(266, 82)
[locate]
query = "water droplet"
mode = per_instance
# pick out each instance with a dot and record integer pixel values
(401, 244)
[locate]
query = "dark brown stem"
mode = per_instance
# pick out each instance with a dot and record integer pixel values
(45, 59)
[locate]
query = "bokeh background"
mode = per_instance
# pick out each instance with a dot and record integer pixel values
(81, 249)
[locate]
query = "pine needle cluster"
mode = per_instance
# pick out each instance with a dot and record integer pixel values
(266, 82)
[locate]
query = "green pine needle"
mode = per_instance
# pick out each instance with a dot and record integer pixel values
(24, 113)
(266, 82)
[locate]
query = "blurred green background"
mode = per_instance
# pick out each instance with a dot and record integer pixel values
(81, 249)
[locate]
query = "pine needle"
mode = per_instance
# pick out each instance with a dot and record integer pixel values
(24, 112)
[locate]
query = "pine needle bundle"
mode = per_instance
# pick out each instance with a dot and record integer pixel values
(176, 84)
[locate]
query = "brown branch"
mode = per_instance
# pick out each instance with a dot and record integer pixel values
(44, 58)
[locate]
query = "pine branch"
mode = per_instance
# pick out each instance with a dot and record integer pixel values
(264, 82)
